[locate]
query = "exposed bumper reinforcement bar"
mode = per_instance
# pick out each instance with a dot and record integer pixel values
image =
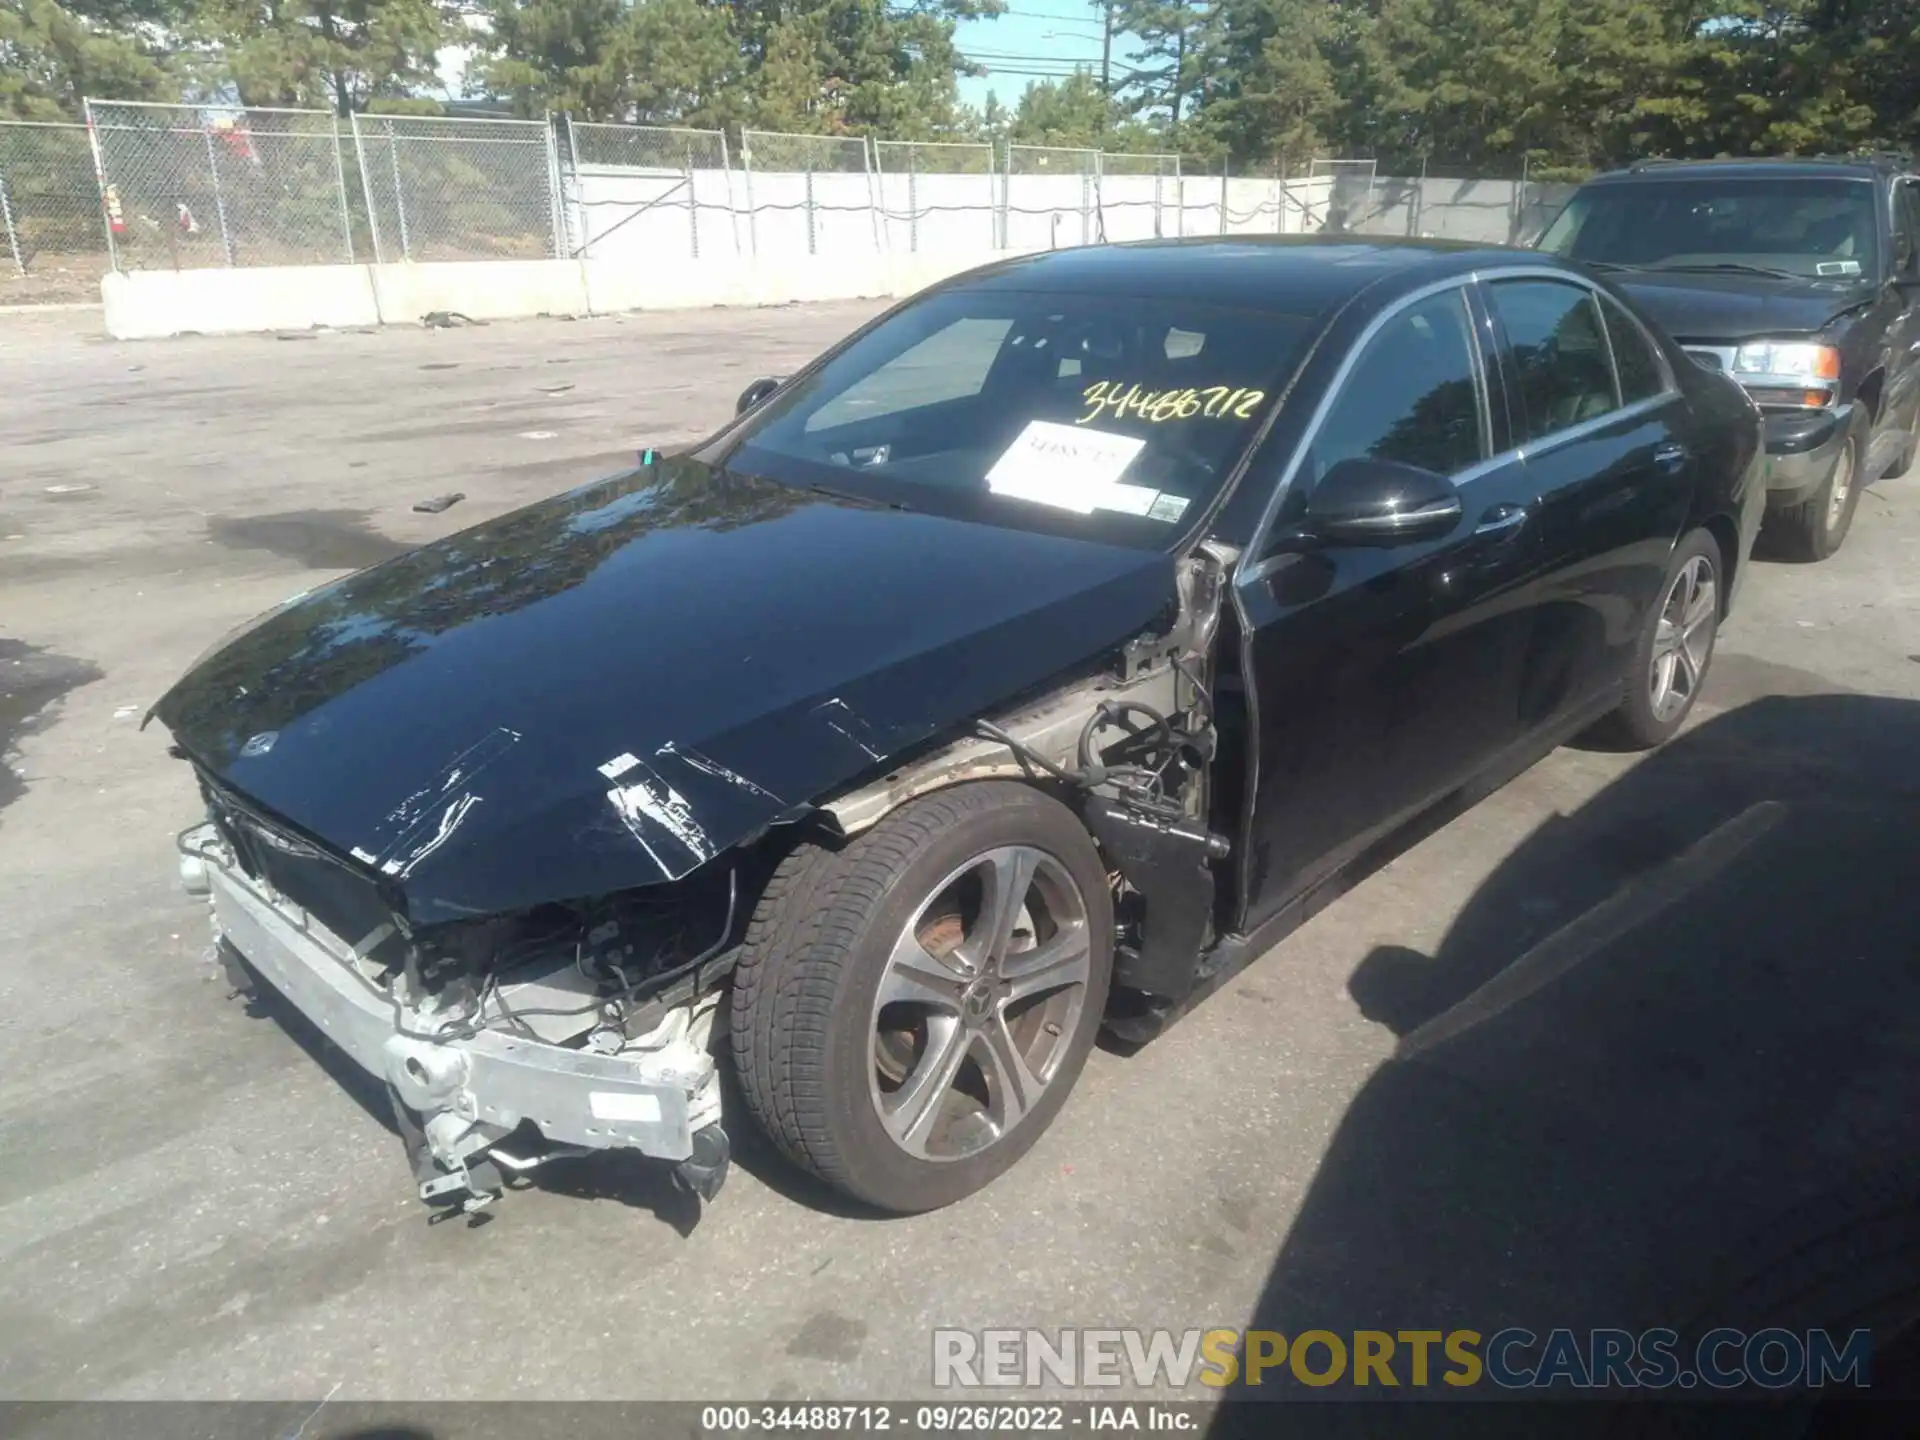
(471, 1091)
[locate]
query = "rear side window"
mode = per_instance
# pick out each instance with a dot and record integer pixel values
(1412, 396)
(1634, 358)
(1556, 354)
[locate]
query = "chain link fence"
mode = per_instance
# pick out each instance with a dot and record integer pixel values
(937, 194)
(1447, 202)
(182, 186)
(56, 247)
(636, 191)
(1050, 193)
(1349, 194)
(188, 186)
(1139, 197)
(810, 193)
(460, 189)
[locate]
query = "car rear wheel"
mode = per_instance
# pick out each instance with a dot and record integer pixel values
(1815, 528)
(910, 1011)
(1675, 647)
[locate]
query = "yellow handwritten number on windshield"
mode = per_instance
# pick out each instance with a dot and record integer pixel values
(1156, 407)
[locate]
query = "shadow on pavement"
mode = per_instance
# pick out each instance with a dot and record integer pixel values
(1661, 1072)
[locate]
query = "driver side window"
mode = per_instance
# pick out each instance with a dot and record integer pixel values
(1412, 397)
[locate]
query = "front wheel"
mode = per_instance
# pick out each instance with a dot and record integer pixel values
(1815, 528)
(910, 1011)
(1675, 647)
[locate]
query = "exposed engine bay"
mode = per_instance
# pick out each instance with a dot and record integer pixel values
(506, 1041)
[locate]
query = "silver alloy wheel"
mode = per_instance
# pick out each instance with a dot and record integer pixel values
(979, 1003)
(1842, 486)
(1683, 639)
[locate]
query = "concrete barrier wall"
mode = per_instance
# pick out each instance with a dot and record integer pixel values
(150, 304)
(502, 289)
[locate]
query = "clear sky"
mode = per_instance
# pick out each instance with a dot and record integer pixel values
(1033, 40)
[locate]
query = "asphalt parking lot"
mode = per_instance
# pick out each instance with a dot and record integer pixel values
(1560, 1061)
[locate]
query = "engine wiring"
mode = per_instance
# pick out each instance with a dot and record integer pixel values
(1201, 695)
(1146, 782)
(475, 1020)
(518, 1018)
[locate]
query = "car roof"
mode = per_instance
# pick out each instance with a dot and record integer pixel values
(1292, 274)
(1811, 168)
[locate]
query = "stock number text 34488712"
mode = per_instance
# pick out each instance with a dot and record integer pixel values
(1215, 402)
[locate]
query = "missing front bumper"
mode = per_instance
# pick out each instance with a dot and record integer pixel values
(458, 1097)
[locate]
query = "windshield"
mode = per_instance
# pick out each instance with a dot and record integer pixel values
(1816, 229)
(1101, 416)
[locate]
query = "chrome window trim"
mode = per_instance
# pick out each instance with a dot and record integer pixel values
(1599, 309)
(1254, 565)
(1482, 383)
(1588, 427)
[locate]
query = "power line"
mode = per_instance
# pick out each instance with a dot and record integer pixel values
(971, 53)
(1091, 13)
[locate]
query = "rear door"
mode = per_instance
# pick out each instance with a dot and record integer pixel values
(1608, 443)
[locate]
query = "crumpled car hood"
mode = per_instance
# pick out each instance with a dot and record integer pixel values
(611, 687)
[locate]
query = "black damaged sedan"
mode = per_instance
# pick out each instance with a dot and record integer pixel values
(1027, 664)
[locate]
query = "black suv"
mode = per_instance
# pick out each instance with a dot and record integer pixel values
(1801, 279)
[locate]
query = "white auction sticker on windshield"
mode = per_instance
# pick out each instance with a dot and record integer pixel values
(1069, 468)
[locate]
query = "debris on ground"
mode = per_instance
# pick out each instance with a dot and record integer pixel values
(439, 503)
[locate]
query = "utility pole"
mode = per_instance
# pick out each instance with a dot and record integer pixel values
(1106, 49)
(1179, 70)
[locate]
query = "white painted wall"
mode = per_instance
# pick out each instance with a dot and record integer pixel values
(764, 239)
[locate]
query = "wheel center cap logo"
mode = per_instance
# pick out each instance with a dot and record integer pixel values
(979, 999)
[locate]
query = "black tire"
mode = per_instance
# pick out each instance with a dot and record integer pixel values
(1815, 529)
(1909, 466)
(804, 995)
(1638, 724)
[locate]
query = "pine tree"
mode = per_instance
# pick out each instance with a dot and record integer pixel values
(330, 54)
(53, 55)
(1275, 93)
(1175, 54)
(1070, 112)
(658, 61)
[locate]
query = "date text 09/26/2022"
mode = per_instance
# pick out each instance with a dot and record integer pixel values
(945, 1419)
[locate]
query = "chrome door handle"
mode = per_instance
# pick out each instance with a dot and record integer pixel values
(1670, 457)
(1499, 518)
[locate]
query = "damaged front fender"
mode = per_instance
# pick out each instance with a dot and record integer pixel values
(1158, 846)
